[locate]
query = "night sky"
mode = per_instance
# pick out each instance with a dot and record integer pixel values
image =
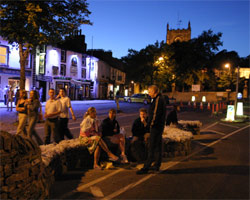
(119, 25)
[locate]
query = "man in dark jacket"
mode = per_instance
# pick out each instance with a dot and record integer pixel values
(111, 133)
(140, 137)
(156, 123)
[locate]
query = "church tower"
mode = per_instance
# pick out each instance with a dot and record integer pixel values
(174, 35)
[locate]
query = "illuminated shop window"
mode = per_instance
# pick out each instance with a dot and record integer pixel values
(4, 55)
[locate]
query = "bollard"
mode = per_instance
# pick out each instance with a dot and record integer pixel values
(208, 106)
(189, 104)
(213, 108)
(194, 105)
(201, 106)
(217, 107)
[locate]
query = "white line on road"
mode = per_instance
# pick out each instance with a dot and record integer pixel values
(217, 132)
(167, 166)
(229, 125)
(209, 126)
(87, 185)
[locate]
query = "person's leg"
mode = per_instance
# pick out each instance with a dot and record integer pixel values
(96, 157)
(106, 149)
(158, 150)
(67, 132)
(61, 128)
(120, 140)
(54, 130)
(31, 125)
(22, 119)
(151, 149)
(47, 132)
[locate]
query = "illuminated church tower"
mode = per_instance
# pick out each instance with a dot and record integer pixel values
(174, 35)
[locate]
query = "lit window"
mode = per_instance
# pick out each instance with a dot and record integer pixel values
(3, 55)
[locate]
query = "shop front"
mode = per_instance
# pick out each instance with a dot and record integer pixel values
(11, 78)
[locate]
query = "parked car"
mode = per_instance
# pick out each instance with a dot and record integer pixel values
(138, 98)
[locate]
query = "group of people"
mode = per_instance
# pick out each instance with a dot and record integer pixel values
(56, 115)
(147, 129)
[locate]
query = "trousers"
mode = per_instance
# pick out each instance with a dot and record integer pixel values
(63, 128)
(154, 148)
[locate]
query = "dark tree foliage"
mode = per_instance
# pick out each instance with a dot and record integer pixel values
(30, 23)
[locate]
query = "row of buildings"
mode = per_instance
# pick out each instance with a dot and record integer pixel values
(68, 65)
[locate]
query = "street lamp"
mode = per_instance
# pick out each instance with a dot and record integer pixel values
(237, 87)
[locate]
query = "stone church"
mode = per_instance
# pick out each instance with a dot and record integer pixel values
(174, 35)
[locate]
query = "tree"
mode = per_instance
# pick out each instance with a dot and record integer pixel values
(29, 23)
(194, 56)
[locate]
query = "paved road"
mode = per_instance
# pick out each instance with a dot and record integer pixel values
(217, 168)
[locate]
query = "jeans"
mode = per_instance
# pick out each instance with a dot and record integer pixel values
(31, 129)
(22, 120)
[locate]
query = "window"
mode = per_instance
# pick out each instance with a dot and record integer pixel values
(63, 70)
(83, 60)
(55, 70)
(83, 73)
(74, 61)
(63, 56)
(42, 63)
(4, 55)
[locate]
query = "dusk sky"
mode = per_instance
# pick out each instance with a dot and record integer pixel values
(119, 25)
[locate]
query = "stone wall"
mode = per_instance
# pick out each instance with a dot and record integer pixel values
(28, 171)
(23, 174)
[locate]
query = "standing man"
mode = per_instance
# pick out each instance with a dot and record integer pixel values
(53, 109)
(5, 91)
(156, 123)
(117, 96)
(10, 99)
(64, 116)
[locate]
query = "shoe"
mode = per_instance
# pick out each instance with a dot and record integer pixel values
(142, 171)
(124, 159)
(154, 168)
(113, 159)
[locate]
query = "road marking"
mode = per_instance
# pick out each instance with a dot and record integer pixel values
(87, 185)
(167, 166)
(96, 191)
(209, 126)
(217, 132)
(229, 125)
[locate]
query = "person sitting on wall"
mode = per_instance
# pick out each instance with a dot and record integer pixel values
(140, 133)
(111, 133)
(172, 116)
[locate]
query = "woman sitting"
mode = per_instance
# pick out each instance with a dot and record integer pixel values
(91, 137)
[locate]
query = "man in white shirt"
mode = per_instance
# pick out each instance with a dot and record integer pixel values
(64, 115)
(53, 109)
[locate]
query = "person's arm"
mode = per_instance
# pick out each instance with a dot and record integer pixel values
(56, 113)
(71, 110)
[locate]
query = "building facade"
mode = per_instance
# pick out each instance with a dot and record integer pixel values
(83, 76)
(181, 35)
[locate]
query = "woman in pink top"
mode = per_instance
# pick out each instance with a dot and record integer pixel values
(91, 137)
